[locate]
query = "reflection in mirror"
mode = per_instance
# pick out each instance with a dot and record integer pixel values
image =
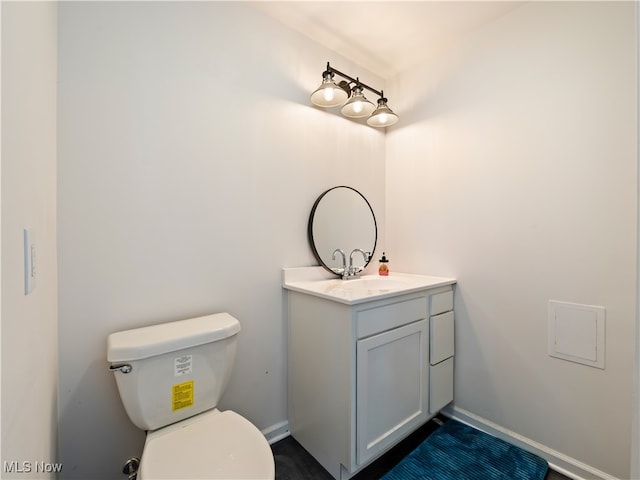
(342, 218)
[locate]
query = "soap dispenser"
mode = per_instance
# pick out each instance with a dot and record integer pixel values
(383, 269)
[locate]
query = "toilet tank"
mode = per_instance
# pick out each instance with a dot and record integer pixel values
(177, 369)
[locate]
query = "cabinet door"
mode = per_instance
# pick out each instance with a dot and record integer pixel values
(392, 387)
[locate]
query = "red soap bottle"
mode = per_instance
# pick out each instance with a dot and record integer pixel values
(383, 269)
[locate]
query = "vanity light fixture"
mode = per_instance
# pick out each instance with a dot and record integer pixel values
(358, 106)
(329, 94)
(383, 116)
(332, 94)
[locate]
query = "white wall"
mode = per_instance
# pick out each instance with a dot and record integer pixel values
(189, 159)
(29, 322)
(514, 170)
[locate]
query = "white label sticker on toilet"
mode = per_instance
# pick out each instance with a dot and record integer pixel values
(183, 365)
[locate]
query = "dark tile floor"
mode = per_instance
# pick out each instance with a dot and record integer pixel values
(294, 463)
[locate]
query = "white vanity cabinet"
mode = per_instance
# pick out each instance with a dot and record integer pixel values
(363, 376)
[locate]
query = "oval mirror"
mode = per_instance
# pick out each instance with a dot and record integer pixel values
(342, 218)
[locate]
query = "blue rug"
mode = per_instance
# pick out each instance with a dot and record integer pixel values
(458, 452)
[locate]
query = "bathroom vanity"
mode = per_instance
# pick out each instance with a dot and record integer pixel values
(370, 360)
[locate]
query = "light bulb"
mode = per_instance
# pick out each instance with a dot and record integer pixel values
(328, 94)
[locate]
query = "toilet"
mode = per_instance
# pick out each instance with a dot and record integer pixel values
(170, 378)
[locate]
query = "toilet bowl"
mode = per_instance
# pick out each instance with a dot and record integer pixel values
(214, 444)
(170, 378)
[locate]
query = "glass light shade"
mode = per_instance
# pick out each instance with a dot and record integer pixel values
(358, 106)
(329, 94)
(383, 116)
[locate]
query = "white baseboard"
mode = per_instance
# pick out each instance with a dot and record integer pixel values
(277, 432)
(568, 466)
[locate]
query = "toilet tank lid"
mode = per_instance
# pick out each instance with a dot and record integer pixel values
(146, 342)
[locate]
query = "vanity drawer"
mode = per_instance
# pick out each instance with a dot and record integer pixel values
(441, 337)
(440, 385)
(386, 317)
(441, 302)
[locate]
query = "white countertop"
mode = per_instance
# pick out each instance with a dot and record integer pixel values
(320, 283)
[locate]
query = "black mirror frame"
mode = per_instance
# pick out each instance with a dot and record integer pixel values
(310, 228)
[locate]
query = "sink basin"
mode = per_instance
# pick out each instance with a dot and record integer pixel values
(373, 283)
(316, 281)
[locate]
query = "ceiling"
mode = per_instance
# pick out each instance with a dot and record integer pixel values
(386, 37)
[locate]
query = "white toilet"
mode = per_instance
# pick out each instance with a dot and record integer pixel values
(170, 378)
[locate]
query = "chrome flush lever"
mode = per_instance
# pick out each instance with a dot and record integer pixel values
(123, 367)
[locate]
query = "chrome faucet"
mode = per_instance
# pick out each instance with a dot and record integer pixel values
(344, 260)
(354, 271)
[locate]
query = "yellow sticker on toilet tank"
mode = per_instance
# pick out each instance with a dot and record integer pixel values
(182, 395)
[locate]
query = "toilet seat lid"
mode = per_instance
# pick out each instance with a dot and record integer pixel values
(211, 445)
